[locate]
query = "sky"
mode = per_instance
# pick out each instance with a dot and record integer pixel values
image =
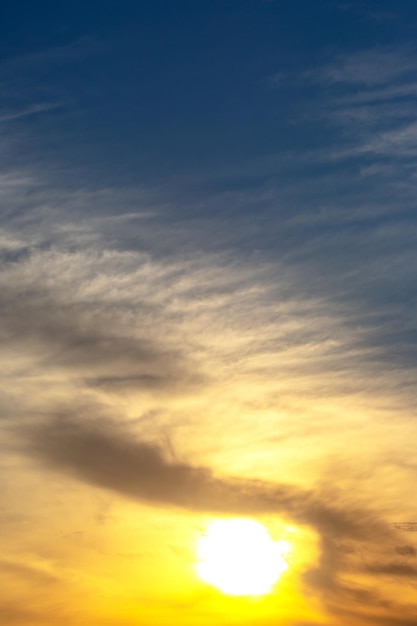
(208, 249)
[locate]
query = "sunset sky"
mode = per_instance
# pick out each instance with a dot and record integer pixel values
(208, 249)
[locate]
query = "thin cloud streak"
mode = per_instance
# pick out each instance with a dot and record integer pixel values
(27, 112)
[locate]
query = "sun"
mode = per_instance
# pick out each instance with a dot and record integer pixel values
(238, 557)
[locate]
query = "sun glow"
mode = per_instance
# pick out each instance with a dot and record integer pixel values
(239, 557)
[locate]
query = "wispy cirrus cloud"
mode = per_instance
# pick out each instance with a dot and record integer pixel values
(374, 67)
(27, 112)
(373, 97)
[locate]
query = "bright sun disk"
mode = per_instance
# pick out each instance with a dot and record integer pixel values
(239, 558)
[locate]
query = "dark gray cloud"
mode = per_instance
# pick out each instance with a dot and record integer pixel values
(365, 619)
(101, 454)
(393, 569)
(406, 550)
(396, 621)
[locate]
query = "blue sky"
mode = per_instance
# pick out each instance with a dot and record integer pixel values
(208, 245)
(152, 89)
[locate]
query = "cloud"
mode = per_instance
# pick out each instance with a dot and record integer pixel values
(393, 569)
(32, 573)
(372, 67)
(47, 311)
(101, 454)
(90, 342)
(28, 111)
(371, 95)
(406, 550)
